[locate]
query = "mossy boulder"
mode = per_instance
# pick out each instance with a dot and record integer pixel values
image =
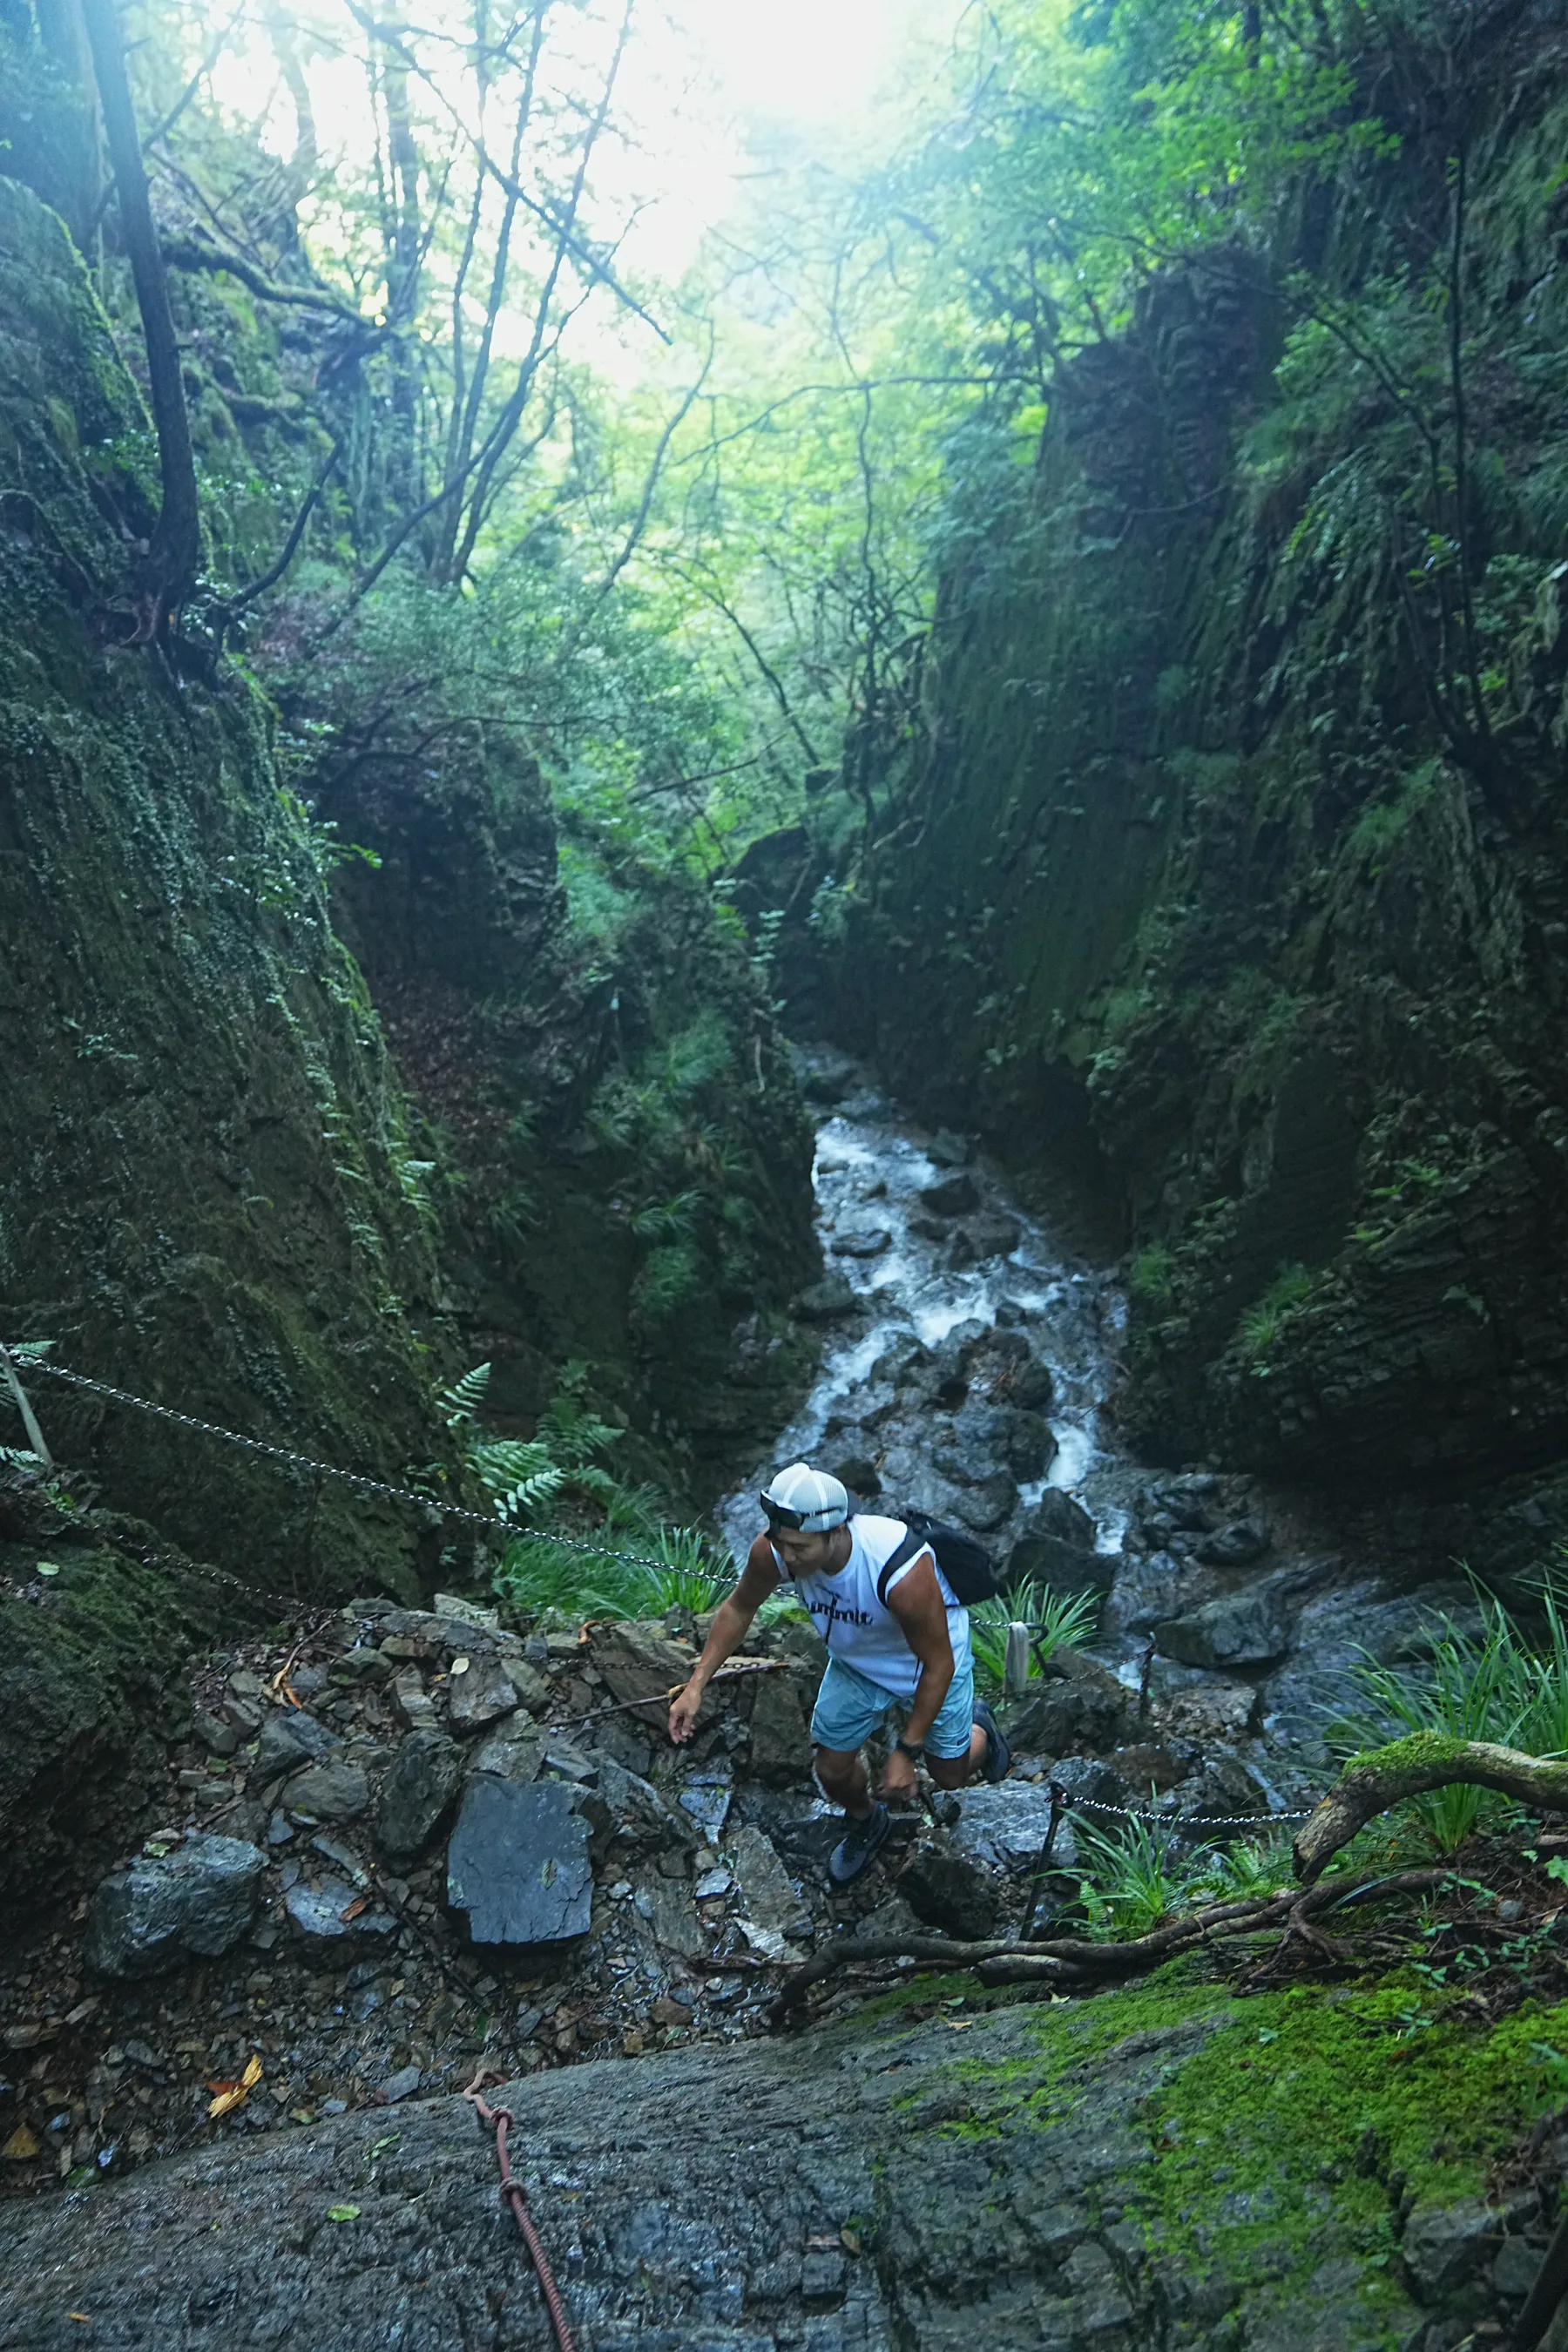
(92, 1689)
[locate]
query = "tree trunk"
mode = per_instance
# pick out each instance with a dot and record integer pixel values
(76, 185)
(1409, 1768)
(166, 573)
(402, 282)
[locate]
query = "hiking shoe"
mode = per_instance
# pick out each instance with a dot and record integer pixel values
(858, 1847)
(998, 1755)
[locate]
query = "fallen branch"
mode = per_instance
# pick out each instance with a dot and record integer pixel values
(1074, 1960)
(1410, 1767)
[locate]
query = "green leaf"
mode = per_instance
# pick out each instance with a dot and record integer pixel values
(342, 2213)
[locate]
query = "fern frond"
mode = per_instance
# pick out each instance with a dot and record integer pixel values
(462, 1401)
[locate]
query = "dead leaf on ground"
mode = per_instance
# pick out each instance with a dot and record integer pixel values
(21, 2147)
(234, 2094)
(353, 1910)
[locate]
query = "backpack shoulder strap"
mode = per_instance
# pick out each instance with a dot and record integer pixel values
(911, 1541)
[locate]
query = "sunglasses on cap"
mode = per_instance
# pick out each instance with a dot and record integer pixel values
(780, 1515)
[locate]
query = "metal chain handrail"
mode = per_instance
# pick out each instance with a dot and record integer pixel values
(411, 1495)
(1179, 1822)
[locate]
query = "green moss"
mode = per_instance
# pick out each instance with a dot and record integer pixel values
(1420, 1750)
(1278, 2125)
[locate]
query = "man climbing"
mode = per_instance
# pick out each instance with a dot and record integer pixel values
(907, 1647)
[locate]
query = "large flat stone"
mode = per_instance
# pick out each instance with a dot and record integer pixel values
(517, 1867)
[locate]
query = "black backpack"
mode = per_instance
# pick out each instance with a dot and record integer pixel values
(967, 1565)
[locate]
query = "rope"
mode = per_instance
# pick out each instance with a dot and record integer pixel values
(410, 1494)
(512, 2193)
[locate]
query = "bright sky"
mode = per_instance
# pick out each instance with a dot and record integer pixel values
(707, 86)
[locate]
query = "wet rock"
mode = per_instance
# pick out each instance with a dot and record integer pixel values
(219, 1739)
(332, 1791)
(517, 1868)
(1079, 1709)
(1517, 2267)
(781, 1729)
(859, 1473)
(332, 1919)
(948, 1150)
(638, 1661)
(1029, 1445)
(1003, 1828)
(1149, 1592)
(706, 1799)
(1056, 1514)
(985, 1508)
(638, 1813)
(287, 1742)
(664, 1905)
(927, 1228)
(1239, 1629)
(795, 2136)
(480, 1691)
(422, 1783)
(827, 1300)
(1029, 1384)
(1448, 2245)
(1050, 1549)
(949, 1889)
(1210, 1710)
(770, 1900)
(568, 1761)
(899, 1366)
(414, 1706)
(364, 1667)
(1185, 1502)
(1149, 1764)
(193, 1903)
(867, 1241)
(1229, 1788)
(533, 1690)
(994, 1235)
(951, 1196)
(1236, 1546)
(400, 2086)
(510, 1755)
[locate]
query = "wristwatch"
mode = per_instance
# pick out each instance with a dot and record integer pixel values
(915, 1755)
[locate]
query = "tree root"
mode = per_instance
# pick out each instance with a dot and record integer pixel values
(1074, 1962)
(1410, 1767)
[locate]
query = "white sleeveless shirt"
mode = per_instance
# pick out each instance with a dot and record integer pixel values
(852, 1621)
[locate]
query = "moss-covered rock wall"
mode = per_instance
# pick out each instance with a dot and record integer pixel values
(203, 1145)
(1214, 884)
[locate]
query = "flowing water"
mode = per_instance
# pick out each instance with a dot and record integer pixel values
(873, 1165)
(948, 1301)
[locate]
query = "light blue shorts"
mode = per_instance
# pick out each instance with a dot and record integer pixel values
(850, 1707)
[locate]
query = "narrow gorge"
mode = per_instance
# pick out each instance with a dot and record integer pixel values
(899, 807)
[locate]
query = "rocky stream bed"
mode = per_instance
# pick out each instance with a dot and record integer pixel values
(420, 1843)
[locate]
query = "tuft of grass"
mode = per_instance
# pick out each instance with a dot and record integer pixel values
(1152, 1275)
(1495, 1684)
(1264, 1320)
(1134, 1877)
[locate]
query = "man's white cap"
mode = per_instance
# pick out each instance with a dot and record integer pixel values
(814, 1500)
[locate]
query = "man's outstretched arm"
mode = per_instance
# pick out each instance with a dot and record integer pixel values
(728, 1630)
